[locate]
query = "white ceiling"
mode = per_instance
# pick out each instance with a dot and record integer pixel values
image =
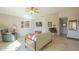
(20, 11)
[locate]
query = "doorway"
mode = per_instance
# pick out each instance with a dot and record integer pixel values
(63, 26)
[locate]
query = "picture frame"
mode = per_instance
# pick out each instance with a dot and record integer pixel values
(22, 24)
(25, 24)
(38, 24)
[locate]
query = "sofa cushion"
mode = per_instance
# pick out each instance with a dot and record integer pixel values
(29, 36)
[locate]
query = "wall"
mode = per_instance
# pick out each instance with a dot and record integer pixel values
(72, 13)
(47, 18)
(40, 28)
(8, 21)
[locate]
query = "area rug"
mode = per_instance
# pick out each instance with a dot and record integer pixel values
(13, 46)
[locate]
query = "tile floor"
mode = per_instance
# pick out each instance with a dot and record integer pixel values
(18, 45)
(60, 43)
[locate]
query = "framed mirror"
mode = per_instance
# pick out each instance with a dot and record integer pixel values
(49, 24)
(73, 25)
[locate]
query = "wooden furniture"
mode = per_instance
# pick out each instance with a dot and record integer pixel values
(53, 30)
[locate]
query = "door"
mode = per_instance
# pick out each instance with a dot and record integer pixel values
(63, 25)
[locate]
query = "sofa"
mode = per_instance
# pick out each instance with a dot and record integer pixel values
(40, 41)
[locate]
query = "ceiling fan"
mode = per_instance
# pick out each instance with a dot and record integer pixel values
(32, 10)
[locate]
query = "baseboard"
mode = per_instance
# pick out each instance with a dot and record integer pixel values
(72, 38)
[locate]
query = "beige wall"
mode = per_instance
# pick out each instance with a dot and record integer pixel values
(8, 21)
(54, 19)
(48, 18)
(72, 14)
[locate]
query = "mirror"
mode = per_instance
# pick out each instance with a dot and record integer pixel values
(49, 24)
(73, 25)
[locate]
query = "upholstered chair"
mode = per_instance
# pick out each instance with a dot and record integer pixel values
(6, 36)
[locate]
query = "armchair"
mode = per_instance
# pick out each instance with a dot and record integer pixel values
(6, 36)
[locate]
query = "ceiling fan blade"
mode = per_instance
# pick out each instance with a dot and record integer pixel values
(27, 8)
(36, 11)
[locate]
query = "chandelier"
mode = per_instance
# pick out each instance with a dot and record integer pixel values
(32, 10)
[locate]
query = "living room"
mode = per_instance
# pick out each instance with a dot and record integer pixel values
(20, 21)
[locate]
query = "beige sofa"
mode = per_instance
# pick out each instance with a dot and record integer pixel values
(41, 41)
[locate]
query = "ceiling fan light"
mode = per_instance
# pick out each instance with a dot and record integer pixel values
(33, 10)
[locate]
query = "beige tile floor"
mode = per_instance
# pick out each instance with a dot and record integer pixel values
(18, 45)
(60, 43)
